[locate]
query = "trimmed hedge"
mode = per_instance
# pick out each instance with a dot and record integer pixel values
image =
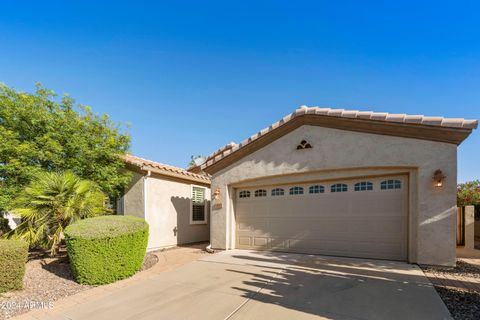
(13, 257)
(107, 248)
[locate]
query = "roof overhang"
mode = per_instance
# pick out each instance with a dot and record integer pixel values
(445, 134)
(140, 165)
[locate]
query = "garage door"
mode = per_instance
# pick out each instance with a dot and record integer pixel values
(355, 218)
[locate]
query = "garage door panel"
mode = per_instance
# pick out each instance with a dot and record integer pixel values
(244, 242)
(257, 225)
(370, 224)
(323, 204)
(327, 225)
(278, 244)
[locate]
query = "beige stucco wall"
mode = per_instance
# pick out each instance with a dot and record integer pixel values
(132, 202)
(168, 214)
(342, 154)
(167, 210)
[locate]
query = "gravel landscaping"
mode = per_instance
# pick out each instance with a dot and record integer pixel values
(462, 304)
(461, 269)
(47, 280)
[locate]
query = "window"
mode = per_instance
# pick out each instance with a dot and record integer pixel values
(260, 193)
(390, 184)
(316, 189)
(278, 192)
(198, 212)
(339, 187)
(363, 186)
(245, 194)
(296, 190)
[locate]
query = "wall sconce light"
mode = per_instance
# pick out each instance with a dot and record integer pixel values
(438, 178)
(216, 194)
(217, 200)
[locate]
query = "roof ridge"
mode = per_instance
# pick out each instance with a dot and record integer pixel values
(142, 162)
(432, 121)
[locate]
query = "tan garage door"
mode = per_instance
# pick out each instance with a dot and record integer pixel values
(355, 218)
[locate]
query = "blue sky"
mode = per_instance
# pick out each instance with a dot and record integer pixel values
(191, 76)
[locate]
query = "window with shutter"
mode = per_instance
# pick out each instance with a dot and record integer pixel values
(198, 205)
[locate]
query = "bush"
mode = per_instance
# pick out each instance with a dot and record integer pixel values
(13, 256)
(107, 248)
(468, 193)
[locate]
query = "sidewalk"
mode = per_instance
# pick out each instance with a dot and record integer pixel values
(168, 260)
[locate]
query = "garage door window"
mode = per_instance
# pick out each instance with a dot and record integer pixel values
(339, 187)
(244, 194)
(363, 186)
(316, 189)
(278, 192)
(390, 184)
(198, 208)
(260, 193)
(296, 190)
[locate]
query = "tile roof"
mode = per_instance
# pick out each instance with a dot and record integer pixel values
(164, 169)
(454, 123)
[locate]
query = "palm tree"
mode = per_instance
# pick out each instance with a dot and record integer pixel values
(53, 201)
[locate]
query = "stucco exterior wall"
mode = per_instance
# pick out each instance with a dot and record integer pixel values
(132, 202)
(342, 154)
(168, 214)
(167, 210)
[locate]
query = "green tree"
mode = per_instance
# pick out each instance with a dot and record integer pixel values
(468, 193)
(192, 162)
(53, 201)
(39, 132)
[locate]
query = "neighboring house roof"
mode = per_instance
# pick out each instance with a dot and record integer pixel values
(450, 130)
(165, 170)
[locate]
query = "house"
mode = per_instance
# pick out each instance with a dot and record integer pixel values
(172, 200)
(340, 182)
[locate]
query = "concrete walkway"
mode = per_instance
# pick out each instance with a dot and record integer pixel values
(169, 259)
(241, 284)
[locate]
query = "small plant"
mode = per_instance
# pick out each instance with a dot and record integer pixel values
(13, 256)
(106, 249)
(52, 202)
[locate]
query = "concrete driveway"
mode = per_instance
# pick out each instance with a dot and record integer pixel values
(242, 284)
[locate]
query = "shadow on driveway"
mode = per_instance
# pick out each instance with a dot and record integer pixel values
(302, 286)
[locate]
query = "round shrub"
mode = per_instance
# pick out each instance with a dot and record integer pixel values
(107, 248)
(13, 257)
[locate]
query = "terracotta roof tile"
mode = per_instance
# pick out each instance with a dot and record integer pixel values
(413, 119)
(341, 113)
(165, 169)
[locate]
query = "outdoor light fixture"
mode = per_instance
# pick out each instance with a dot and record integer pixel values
(438, 178)
(217, 200)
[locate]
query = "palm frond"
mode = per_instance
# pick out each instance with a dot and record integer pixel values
(53, 201)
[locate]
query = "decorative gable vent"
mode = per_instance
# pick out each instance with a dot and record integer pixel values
(304, 145)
